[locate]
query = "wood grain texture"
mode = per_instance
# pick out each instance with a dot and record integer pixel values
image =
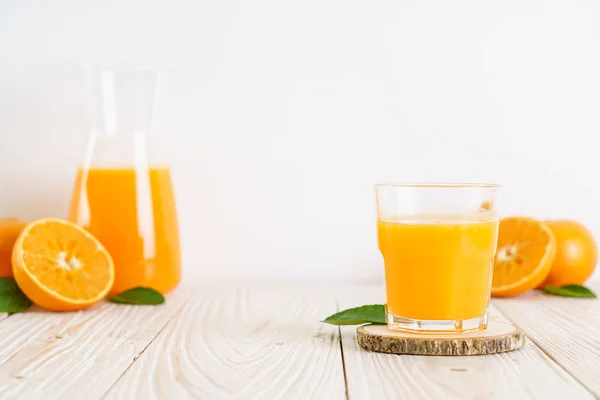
(499, 337)
(243, 343)
(522, 374)
(76, 355)
(567, 329)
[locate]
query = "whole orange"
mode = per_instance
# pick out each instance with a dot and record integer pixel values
(10, 228)
(576, 253)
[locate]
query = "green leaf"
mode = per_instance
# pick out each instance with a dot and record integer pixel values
(570, 291)
(374, 314)
(12, 299)
(139, 296)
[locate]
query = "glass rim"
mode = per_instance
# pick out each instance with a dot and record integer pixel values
(440, 185)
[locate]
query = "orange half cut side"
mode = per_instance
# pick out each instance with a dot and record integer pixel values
(526, 248)
(60, 266)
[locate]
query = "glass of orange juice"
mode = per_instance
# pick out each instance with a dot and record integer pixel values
(123, 193)
(438, 243)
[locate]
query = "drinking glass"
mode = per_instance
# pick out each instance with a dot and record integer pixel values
(438, 243)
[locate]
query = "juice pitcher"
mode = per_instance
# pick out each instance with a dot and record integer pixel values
(123, 192)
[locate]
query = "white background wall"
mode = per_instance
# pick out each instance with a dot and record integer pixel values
(280, 115)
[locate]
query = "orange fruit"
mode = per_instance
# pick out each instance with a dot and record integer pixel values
(576, 253)
(60, 266)
(526, 248)
(10, 228)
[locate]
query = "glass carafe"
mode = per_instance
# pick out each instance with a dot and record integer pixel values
(123, 191)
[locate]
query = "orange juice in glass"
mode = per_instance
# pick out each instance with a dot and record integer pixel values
(123, 193)
(438, 243)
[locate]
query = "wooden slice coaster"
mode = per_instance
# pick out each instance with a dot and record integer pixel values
(499, 337)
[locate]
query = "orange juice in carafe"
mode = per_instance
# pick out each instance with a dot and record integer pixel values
(123, 193)
(132, 212)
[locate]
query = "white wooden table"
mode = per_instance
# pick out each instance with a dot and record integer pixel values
(266, 342)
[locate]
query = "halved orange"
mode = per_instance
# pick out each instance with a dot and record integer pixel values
(526, 249)
(60, 266)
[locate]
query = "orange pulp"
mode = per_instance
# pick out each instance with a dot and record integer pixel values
(60, 266)
(132, 213)
(438, 269)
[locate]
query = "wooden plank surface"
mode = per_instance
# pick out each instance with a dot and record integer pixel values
(243, 343)
(266, 342)
(76, 355)
(523, 374)
(567, 329)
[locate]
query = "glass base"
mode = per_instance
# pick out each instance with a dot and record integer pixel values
(397, 323)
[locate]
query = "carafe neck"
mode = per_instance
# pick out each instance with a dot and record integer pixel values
(121, 101)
